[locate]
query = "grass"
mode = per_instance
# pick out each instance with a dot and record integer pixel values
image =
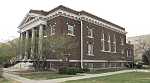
(3, 80)
(44, 75)
(106, 70)
(134, 77)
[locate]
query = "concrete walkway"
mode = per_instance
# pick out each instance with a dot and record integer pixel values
(17, 78)
(25, 80)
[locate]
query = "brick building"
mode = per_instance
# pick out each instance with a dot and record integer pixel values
(102, 44)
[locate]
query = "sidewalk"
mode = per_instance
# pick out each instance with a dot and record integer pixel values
(17, 78)
(25, 80)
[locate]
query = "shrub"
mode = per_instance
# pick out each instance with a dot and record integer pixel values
(130, 65)
(85, 70)
(69, 71)
(139, 66)
(72, 70)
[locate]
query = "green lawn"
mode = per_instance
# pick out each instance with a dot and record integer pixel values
(133, 77)
(3, 80)
(44, 75)
(105, 71)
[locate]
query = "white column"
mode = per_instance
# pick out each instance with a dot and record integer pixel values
(32, 42)
(21, 44)
(26, 44)
(40, 40)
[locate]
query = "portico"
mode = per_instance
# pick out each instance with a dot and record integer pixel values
(31, 34)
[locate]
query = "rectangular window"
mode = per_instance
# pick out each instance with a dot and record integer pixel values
(53, 30)
(128, 52)
(114, 43)
(90, 50)
(70, 30)
(106, 39)
(102, 42)
(90, 33)
(109, 43)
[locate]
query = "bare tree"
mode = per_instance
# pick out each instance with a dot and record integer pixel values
(140, 46)
(146, 57)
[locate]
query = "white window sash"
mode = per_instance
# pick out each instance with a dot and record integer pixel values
(53, 30)
(90, 33)
(70, 30)
(109, 43)
(114, 43)
(127, 53)
(103, 43)
(90, 49)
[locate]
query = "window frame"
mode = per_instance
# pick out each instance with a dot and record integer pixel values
(90, 50)
(70, 30)
(103, 41)
(90, 31)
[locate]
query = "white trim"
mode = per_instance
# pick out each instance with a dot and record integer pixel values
(95, 60)
(34, 14)
(106, 51)
(90, 50)
(70, 28)
(114, 42)
(23, 20)
(52, 27)
(90, 30)
(22, 24)
(55, 60)
(100, 23)
(60, 12)
(84, 17)
(102, 41)
(71, 34)
(81, 44)
(109, 42)
(127, 53)
(90, 37)
(33, 24)
(74, 60)
(118, 61)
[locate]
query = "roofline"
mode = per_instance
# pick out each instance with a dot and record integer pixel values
(86, 13)
(101, 19)
(64, 8)
(61, 7)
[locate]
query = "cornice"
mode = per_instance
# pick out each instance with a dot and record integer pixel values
(79, 17)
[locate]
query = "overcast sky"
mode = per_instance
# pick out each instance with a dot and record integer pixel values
(134, 15)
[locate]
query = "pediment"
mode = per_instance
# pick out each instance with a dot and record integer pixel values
(27, 18)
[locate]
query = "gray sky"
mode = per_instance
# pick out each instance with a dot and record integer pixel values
(134, 15)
